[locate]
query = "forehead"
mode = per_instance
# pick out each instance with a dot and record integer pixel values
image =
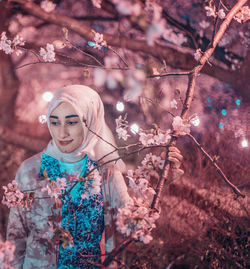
(63, 109)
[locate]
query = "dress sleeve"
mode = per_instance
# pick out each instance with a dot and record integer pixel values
(116, 196)
(17, 230)
(17, 233)
(18, 226)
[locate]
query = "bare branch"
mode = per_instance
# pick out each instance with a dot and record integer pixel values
(235, 189)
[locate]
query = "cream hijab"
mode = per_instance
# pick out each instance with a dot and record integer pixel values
(89, 107)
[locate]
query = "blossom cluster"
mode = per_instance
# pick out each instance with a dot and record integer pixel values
(137, 220)
(9, 46)
(140, 177)
(92, 183)
(198, 55)
(48, 54)
(243, 15)
(99, 41)
(182, 127)
(55, 188)
(7, 250)
(12, 196)
(121, 128)
(154, 137)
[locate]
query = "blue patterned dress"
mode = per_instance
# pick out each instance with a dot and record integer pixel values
(83, 218)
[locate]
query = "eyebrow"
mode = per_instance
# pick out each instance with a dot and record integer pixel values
(66, 117)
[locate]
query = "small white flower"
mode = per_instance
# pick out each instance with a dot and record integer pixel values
(48, 54)
(221, 14)
(122, 133)
(48, 6)
(181, 126)
(197, 54)
(243, 15)
(210, 12)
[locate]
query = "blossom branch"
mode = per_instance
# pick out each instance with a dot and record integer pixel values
(190, 92)
(159, 51)
(234, 188)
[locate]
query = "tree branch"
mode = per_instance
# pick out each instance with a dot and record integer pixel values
(174, 58)
(235, 189)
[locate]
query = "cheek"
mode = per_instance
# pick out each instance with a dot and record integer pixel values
(79, 134)
(53, 131)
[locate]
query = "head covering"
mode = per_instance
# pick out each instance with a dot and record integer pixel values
(89, 107)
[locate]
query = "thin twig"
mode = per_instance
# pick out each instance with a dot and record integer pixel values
(85, 53)
(234, 188)
(119, 56)
(186, 73)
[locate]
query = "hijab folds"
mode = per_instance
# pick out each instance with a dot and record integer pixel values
(89, 107)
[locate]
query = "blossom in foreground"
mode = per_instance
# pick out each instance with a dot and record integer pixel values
(7, 250)
(55, 188)
(121, 128)
(92, 183)
(47, 6)
(12, 196)
(243, 15)
(221, 14)
(122, 133)
(99, 41)
(197, 54)
(154, 138)
(48, 54)
(137, 220)
(9, 46)
(181, 126)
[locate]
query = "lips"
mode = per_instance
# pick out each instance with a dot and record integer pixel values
(65, 143)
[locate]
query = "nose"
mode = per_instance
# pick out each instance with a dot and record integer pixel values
(63, 133)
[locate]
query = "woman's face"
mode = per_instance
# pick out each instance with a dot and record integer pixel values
(66, 127)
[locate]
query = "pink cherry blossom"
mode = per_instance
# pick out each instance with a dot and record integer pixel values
(197, 54)
(47, 6)
(210, 11)
(12, 196)
(7, 250)
(221, 14)
(48, 54)
(99, 41)
(180, 126)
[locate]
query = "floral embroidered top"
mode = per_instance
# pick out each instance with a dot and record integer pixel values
(83, 218)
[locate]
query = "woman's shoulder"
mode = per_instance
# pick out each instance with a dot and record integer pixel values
(27, 173)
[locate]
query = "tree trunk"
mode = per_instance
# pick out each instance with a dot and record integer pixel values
(9, 82)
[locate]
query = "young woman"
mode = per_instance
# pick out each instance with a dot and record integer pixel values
(59, 231)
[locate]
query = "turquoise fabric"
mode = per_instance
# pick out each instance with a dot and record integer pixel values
(83, 218)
